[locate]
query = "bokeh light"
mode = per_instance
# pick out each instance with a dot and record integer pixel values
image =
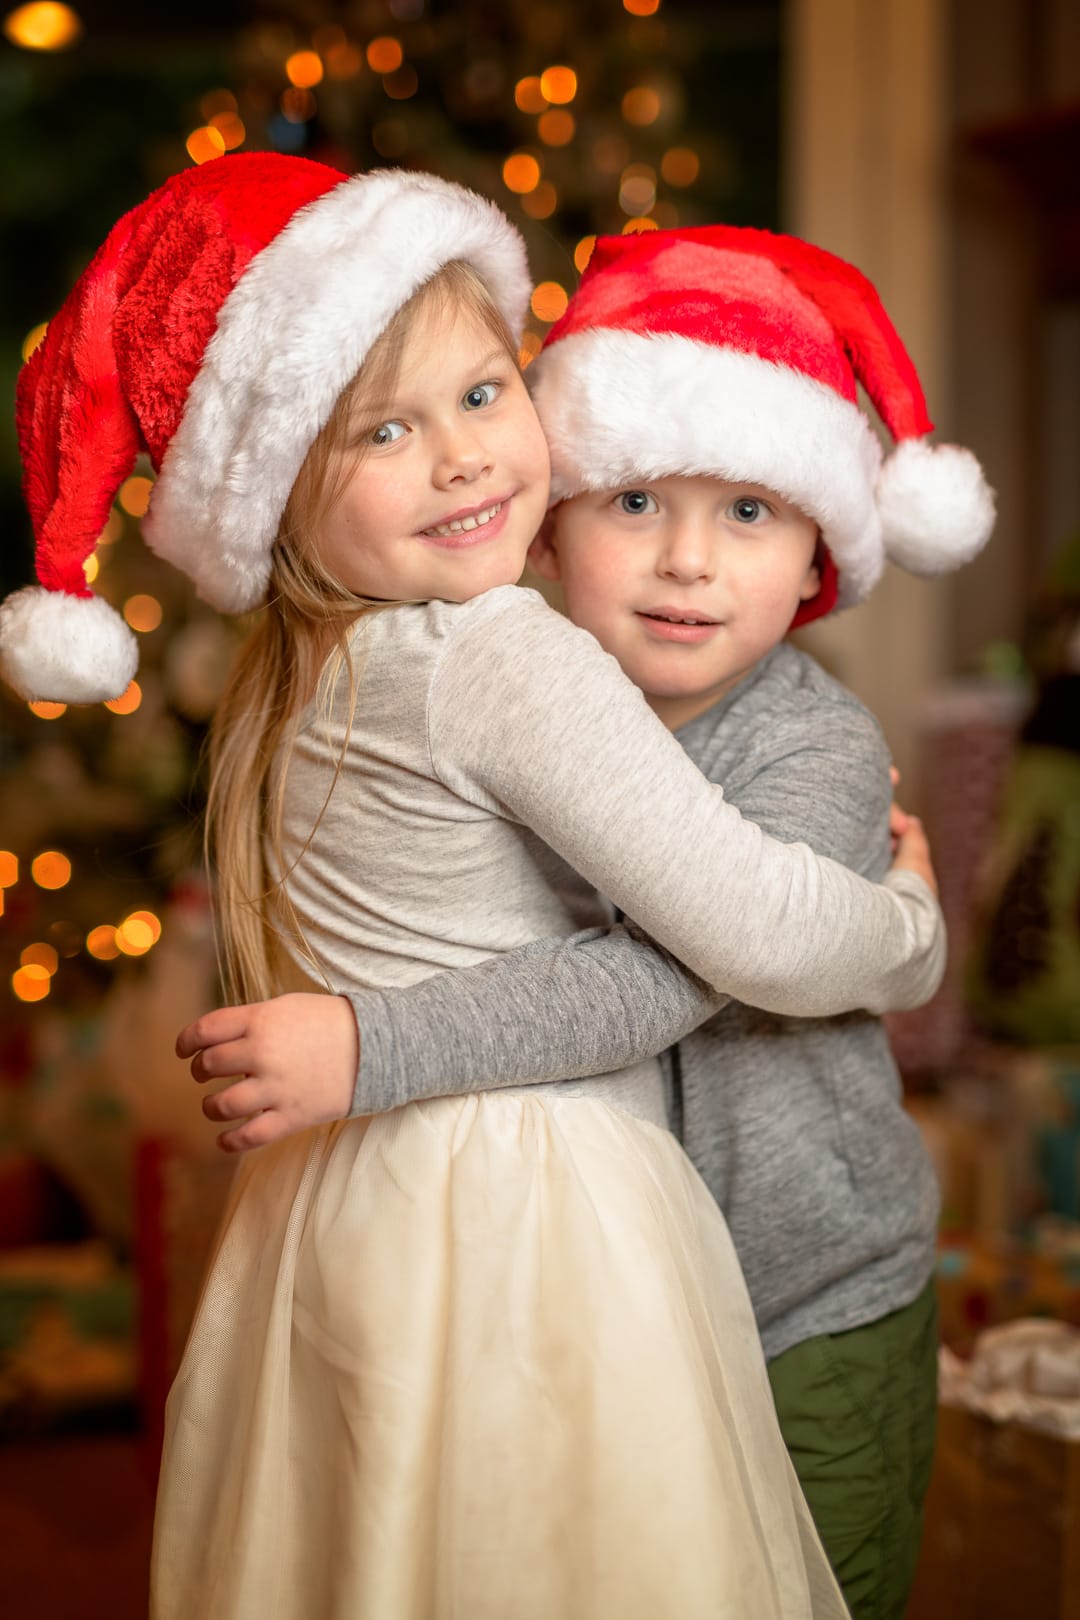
(204, 144)
(521, 172)
(231, 129)
(33, 339)
(583, 252)
(143, 613)
(385, 54)
(298, 106)
(634, 227)
(680, 166)
(43, 26)
(402, 84)
(558, 85)
(31, 983)
(50, 869)
(304, 69)
(641, 105)
(91, 568)
(9, 869)
(541, 203)
(47, 711)
(135, 494)
(549, 300)
(114, 528)
(637, 188)
(40, 955)
(528, 95)
(147, 919)
(128, 701)
(101, 942)
(215, 102)
(641, 8)
(344, 60)
(531, 344)
(134, 936)
(556, 127)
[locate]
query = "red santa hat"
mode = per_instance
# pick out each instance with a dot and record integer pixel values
(736, 353)
(214, 331)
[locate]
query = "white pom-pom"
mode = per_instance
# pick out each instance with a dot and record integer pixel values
(56, 648)
(937, 510)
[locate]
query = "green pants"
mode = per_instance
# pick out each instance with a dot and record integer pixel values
(858, 1412)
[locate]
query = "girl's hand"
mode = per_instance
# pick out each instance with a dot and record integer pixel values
(296, 1057)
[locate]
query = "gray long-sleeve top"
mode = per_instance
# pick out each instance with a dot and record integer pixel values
(794, 1123)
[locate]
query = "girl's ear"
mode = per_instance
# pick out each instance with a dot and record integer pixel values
(543, 555)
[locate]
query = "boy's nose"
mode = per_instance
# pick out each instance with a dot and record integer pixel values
(688, 555)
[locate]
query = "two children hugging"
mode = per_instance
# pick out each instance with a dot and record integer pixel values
(476, 1339)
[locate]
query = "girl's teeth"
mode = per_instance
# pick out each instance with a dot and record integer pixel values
(465, 524)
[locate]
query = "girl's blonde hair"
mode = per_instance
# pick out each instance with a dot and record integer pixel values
(277, 672)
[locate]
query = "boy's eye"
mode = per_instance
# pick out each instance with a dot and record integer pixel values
(636, 502)
(387, 433)
(483, 394)
(747, 509)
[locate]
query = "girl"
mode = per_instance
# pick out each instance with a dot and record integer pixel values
(483, 1356)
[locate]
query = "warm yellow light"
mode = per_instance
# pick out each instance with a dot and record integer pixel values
(231, 129)
(91, 568)
(531, 344)
(304, 69)
(43, 27)
(147, 919)
(541, 203)
(40, 955)
(402, 84)
(521, 173)
(583, 253)
(637, 188)
(528, 95)
(113, 529)
(641, 8)
(135, 494)
(134, 937)
(9, 869)
(47, 711)
(549, 300)
(50, 869)
(641, 105)
(128, 701)
(101, 942)
(558, 84)
(556, 127)
(205, 144)
(34, 339)
(680, 166)
(634, 227)
(143, 613)
(343, 60)
(31, 983)
(298, 105)
(385, 54)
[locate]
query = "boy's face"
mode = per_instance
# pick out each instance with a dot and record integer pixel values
(688, 582)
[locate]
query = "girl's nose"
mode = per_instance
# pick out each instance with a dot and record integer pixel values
(462, 455)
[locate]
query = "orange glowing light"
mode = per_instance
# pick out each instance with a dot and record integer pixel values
(147, 919)
(128, 701)
(101, 942)
(549, 300)
(641, 8)
(230, 128)
(91, 568)
(50, 869)
(541, 203)
(43, 27)
(680, 166)
(385, 54)
(637, 188)
(531, 344)
(343, 60)
(583, 253)
(47, 711)
(134, 937)
(31, 983)
(40, 955)
(114, 528)
(205, 144)
(9, 869)
(558, 84)
(528, 95)
(641, 105)
(401, 85)
(304, 69)
(521, 173)
(556, 128)
(135, 493)
(34, 339)
(634, 227)
(143, 613)
(215, 102)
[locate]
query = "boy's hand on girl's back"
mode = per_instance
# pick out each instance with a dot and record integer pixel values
(295, 1057)
(911, 848)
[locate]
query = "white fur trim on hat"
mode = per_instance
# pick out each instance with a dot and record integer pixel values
(58, 648)
(618, 407)
(292, 333)
(937, 509)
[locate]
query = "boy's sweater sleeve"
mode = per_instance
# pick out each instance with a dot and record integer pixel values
(776, 926)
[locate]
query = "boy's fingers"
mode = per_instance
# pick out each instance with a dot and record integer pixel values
(215, 1062)
(255, 1133)
(227, 1024)
(245, 1098)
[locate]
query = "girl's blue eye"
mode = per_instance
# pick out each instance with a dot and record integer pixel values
(388, 433)
(747, 509)
(483, 394)
(636, 502)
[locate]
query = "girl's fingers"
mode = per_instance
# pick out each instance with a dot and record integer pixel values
(215, 1062)
(246, 1097)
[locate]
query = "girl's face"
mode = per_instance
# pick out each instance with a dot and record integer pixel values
(688, 582)
(452, 481)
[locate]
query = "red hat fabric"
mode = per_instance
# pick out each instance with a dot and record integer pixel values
(214, 331)
(738, 353)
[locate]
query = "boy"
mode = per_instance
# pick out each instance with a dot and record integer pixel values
(716, 483)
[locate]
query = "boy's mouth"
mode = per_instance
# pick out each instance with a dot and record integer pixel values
(674, 616)
(678, 625)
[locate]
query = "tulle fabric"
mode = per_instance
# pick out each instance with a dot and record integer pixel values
(484, 1358)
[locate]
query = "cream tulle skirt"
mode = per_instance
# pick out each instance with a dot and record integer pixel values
(479, 1359)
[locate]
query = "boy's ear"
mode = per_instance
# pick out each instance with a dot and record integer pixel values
(543, 555)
